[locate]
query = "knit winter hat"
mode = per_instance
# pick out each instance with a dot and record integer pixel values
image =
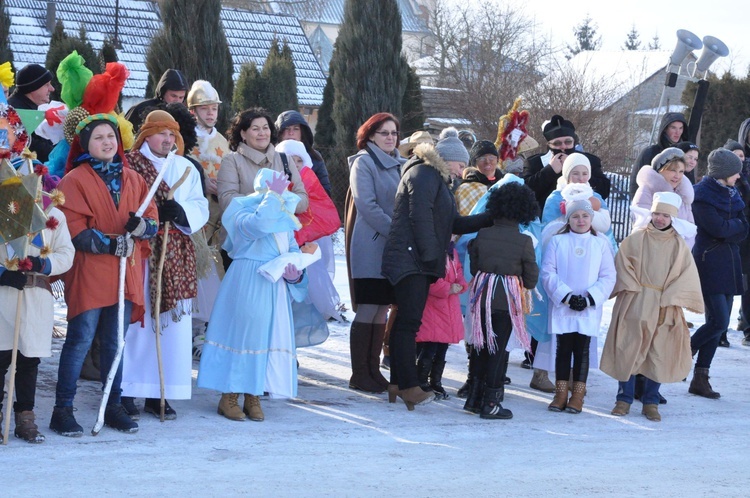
(723, 163)
(32, 77)
(558, 127)
(481, 148)
(732, 145)
(577, 205)
(573, 160)
(666, 202)
(450, 147)
(156, 122)
(86, 126)
(687, 146)
(662, 158)
(295, 148)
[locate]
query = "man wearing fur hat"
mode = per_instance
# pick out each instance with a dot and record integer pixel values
(722, 226)
(171, 88)
(648, 334)
(33, 88)
(187, 212)
(541, 171)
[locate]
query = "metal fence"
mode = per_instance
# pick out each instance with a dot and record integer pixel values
(619, 205)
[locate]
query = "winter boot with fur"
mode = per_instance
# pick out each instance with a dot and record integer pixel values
(360, 342)
(64, 423)
(575, 403)
(700, 385)
(252, 408)
(436, 380)
(491, 407)
(561, 396)
(540, 381)
(229, 407)
(26, 429)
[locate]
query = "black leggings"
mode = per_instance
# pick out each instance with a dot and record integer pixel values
(435, 351)
(577, 346)
(491, 368)
(26, 374)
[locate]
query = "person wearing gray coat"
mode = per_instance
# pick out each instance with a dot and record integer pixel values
(374, 173)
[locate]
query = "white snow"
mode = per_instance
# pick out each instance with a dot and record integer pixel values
(333, 441)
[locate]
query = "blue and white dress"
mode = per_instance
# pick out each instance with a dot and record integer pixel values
(249, 344)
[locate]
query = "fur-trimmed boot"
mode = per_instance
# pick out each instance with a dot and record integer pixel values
(561, 396)
(491, 407)
(575, 403)
(700, 385)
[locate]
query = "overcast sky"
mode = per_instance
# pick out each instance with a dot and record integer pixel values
(727, 20)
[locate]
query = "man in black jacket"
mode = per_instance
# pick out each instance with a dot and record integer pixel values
(171, 88)
(541, 171)
(673, 129)
(33, 88)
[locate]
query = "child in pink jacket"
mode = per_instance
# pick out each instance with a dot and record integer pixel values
(442, 324)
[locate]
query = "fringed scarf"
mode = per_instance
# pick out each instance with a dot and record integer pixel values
(519, 305)
(179, 283)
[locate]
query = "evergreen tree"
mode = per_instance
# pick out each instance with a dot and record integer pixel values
(247, 89)
(6, 54)
(632, 42)
(654, 44)
(192, 40)
(61, 45)
(586, 39)
(369, 74)
(411, 105)
(279, 88)
(325, 129)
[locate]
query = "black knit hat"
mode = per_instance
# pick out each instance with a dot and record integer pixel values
(558, 127)
(481, 148)
(687, 146)
(32, 77)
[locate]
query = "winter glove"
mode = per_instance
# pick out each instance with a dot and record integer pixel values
(578, 303)
(292, 274)
(170, 210)
(15, 279)
(37, 264)
(135, 225)
(121, 246)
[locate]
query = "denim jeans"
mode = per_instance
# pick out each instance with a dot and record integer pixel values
(706, 338)
(650, 394)
(81, 331)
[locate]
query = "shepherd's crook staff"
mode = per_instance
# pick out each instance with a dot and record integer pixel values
(157, 304)
(121, 302)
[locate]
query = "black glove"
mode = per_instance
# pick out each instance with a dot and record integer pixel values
(170, 210)
(36, 264)
(15, 279)
(121, 246)
(578, 303)
(135, 225)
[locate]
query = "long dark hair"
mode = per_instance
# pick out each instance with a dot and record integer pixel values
(241, 122)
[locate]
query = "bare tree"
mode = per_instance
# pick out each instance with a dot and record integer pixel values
(489, 53)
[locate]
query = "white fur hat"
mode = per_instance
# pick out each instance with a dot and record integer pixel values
(295, 148)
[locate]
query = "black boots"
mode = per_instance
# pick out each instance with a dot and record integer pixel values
(64, 423)
(474, 398)
(491, 407)
(117, 418)
(436, 379)
(424, 367)
(700, 385)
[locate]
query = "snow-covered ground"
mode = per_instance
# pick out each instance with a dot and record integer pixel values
(333, 441)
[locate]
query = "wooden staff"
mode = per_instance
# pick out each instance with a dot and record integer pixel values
(157, 304)
(13, 358)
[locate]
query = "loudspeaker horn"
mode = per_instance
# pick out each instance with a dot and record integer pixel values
(686, 43)
(713, 49)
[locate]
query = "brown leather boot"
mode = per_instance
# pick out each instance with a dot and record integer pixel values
(252, 408)
(700, 385)
(229, 407)
(561, 396)
(621, 409)
(26, 429)
(540, 381)
(376, 345)
(575, 403)
(416, 396)
(651, 411)
(360, 342)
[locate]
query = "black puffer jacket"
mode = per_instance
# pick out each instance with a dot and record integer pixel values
(424, 217)
(172, 79)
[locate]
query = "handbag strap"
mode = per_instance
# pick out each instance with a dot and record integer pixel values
(285, 162)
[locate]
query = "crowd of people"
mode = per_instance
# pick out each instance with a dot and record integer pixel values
(199, 245)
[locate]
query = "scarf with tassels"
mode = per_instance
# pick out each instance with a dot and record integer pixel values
(519, 305)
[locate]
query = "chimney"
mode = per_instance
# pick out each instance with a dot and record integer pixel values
(51, 14)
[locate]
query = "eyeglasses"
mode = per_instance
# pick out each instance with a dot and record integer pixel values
(385, 134)
(559, 143)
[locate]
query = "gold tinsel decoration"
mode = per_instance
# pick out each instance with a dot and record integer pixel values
(57, 197)
(45, 251)
(504, 120)
(27, 154)
(11, 264)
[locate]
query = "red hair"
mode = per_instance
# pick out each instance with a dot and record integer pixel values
(371, 126)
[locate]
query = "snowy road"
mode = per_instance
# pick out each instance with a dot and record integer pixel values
(333, 441)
